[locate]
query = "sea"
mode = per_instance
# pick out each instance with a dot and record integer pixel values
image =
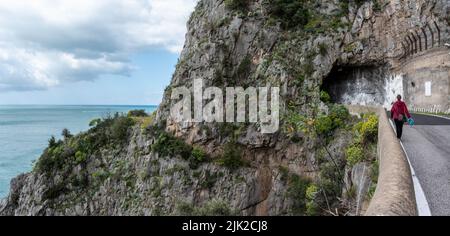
(26, 129)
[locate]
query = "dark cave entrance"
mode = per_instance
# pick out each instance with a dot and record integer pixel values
(356, 85)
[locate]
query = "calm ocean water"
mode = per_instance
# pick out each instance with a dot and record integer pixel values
(25, 130)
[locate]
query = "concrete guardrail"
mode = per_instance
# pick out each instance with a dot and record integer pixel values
(395, 194)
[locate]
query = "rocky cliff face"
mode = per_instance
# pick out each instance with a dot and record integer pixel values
(167, 168)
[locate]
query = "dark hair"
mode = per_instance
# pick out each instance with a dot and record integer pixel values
(399, 97)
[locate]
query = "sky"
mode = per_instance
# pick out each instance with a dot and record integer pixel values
(109, 52)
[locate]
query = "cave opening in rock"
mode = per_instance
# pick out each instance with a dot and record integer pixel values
(370, 85)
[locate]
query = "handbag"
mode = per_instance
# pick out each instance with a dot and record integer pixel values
(411, 122)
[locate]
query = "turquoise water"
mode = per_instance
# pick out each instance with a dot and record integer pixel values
(25, 130)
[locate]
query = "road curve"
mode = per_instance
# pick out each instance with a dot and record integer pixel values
(427, 145)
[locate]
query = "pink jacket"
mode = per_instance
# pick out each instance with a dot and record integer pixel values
(399, 108)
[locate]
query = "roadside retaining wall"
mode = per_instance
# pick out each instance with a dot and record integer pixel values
(394, 195)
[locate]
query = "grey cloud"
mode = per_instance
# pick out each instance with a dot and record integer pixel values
(46, 43)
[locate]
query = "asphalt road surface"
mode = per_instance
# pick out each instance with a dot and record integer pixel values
(428, 147)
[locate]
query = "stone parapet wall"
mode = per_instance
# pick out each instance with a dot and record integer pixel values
(394, 195)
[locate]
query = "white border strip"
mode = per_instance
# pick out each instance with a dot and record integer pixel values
(422, 204)
(421, 200)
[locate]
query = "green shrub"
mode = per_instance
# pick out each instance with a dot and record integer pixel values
(184, 209)
(244, 67)
(325, 97)
(168, 145)
(291, 13)
(329, 185)
(350, 47)
(371, 191)
(324, 125)
(354, 155)
(209, 181)
(144, 122)
(308, 67)
(214, 208)
(312, 193)
(351, 192)
(119, 128)
(55, 158)
(336, 23)
(294, 123)
(54, 191)
(284, 172)
(377, 7)
(360, 2)
(232, 156)
(368, 129)
(95, 122)
(297, 187)
(339, 114)
(101, 175)
(66, 134)
(237, 5)
(300, 80)
(80, 181)
(331, 180)
(198, 154)
(344, 5)
(375, 168)
(137, 113)
(45, 163)
(314, 25)
(52, 142)
(323, 49)
(227, 129)
(80, 157)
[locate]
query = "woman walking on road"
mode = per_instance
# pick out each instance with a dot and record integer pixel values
(400, 115)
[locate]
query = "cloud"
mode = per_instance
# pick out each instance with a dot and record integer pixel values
(48, 42)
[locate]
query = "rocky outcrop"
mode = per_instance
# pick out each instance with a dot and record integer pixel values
(295, 171)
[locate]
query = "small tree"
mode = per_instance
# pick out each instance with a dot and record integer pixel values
(66, 134)
(52, 142)
(95, 122)
(137, 113)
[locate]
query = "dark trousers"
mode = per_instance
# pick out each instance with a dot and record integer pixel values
(399, 128)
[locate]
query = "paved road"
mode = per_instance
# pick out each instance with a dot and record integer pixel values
(428, 147)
